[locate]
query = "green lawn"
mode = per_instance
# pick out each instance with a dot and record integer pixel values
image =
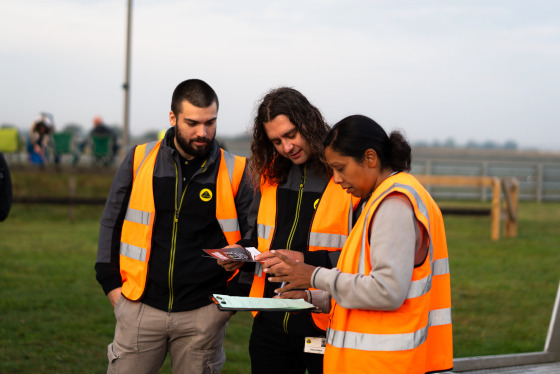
(54, 317)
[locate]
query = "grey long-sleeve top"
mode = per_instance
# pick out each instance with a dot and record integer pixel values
(397, 243)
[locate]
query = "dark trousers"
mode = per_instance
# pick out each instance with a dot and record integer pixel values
(273, 351)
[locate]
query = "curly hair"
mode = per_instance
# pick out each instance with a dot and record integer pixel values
(265, 162)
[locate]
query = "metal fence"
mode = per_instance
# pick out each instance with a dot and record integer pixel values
(538, 173)
(538, 181)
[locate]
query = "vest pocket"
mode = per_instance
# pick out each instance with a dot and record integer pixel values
(111, 355)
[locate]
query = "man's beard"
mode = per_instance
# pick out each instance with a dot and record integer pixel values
(188, 148)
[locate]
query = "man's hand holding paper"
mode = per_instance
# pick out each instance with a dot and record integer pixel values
(230, 265)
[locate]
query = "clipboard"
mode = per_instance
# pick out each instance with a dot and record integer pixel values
(258, 304)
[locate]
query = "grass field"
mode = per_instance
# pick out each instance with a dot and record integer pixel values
(54, 317)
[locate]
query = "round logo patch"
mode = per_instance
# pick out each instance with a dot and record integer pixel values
(315, 204)
(205, 195)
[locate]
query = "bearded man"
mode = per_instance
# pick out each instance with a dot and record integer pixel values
(169, 200)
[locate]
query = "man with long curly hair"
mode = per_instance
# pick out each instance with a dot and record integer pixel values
(299, 211)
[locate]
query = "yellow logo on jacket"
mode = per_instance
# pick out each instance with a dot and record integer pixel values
(315, 204)
(205, 194)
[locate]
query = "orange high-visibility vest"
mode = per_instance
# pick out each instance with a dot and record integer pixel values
(416, 338)
(331, 225)
(136, 237)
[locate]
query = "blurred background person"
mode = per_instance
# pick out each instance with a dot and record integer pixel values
(101, 129)
(102, 137)
(40, 139)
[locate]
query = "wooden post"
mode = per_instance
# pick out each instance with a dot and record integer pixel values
(71, 194)
(496, 210)
(457, 180)
(511, 193)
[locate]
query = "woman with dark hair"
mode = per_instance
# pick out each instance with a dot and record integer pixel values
(299, 211)
(391, 307)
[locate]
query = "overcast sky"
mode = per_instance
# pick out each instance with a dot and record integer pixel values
(471, 70)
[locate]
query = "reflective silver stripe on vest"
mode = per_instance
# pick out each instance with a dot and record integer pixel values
(424, 210)
(440, 266)
(263, 231)
(440, 317)
(230, 163)
(149, 147)
(376, 342)
(350, 217)
(362, 263)
(327, 240)
(137, 216)
(131, 251)
(419, 287)
(229, 225)
(419, 201)
(388, 342)
(258, 269)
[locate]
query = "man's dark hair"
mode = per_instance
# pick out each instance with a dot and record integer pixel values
(196, 92)
(307, 119)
